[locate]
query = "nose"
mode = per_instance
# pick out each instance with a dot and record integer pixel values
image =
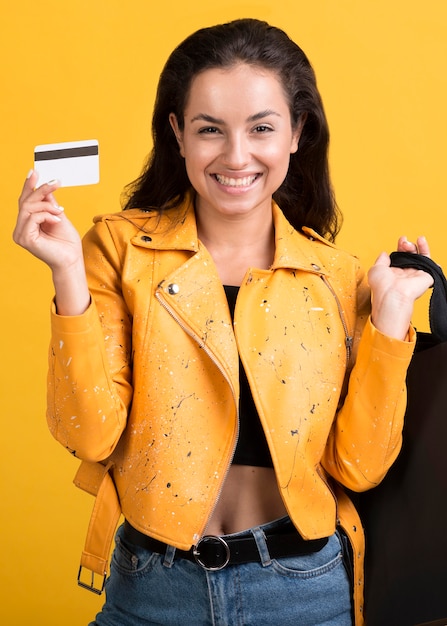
(236, 154)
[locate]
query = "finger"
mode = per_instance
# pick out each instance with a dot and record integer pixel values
(30, 183)
(383, 259)
(30, 191)
(29, 207)
(27, 232)
(52, 200)
(35, 213)
(423, 247)
(31, 218)
(403, 245)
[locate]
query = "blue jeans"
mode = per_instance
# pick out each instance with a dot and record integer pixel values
(148, 589)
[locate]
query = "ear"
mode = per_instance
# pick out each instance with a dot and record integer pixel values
(177, 132)
(296, 134)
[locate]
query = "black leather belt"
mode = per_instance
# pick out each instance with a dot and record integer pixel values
(214, 552)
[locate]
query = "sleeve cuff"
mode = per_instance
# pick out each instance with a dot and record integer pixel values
(391, 345)
(73, 324)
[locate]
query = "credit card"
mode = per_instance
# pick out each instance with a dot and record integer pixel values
(73, 163)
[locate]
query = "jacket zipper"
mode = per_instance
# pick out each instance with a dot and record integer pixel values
(348, 338)
(205, 348)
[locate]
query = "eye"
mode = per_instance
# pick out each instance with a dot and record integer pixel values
(262, 128)
(208, 130)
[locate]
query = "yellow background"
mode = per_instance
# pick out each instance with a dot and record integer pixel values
(88, 69)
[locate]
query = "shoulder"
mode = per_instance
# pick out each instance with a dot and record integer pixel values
(129, 221)
(308, 244)
(173, 229)
(116, 230)
(152, 220)
(329, 251)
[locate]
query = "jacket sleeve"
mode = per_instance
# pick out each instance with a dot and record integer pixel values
(366, 435)
(89, 377)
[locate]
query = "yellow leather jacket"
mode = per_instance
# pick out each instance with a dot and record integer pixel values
(146, 381)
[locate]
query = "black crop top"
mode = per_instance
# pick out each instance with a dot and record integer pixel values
(251, 448)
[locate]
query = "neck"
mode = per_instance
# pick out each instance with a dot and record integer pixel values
(238, 243)
(236, 232)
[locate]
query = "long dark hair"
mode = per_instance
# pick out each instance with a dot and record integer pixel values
(306, 196)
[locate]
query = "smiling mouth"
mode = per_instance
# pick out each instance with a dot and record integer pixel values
(246, 181)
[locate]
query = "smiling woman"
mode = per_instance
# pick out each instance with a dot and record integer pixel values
(229, 355)
(306, 194)
(236, 153)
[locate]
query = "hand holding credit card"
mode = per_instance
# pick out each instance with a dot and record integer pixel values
(72, 163)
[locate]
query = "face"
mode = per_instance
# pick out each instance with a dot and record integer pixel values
(237, 139)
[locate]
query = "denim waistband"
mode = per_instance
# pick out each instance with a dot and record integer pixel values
(277, 526)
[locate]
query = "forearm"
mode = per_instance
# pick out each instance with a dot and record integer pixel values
(71, 289)
(367, 433)
(89, 391)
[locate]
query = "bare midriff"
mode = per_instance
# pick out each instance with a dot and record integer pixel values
(249, 497)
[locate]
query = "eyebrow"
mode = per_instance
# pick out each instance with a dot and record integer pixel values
(253, 118)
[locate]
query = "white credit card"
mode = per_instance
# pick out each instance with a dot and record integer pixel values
(72, 163)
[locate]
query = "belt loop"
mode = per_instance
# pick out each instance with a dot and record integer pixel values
(169, 556)
(261, 544)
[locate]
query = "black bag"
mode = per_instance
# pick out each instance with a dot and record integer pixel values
(405, 517)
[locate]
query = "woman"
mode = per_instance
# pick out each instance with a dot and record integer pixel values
(216, 356)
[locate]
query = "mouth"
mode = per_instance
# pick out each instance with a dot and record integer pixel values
(228, 181)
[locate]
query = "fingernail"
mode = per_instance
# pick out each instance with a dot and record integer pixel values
(30, 173)
(52, 182)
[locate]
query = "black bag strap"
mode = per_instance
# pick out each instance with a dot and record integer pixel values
(438, 299)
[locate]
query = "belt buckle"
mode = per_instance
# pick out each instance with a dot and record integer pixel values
(220, 542)
(90, 586)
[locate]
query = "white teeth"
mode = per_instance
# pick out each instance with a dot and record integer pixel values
(235, 182)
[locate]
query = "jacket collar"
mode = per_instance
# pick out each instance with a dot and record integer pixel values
(177, 230)
(174, 229)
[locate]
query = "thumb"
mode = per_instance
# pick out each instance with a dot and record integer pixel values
(383, 260)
